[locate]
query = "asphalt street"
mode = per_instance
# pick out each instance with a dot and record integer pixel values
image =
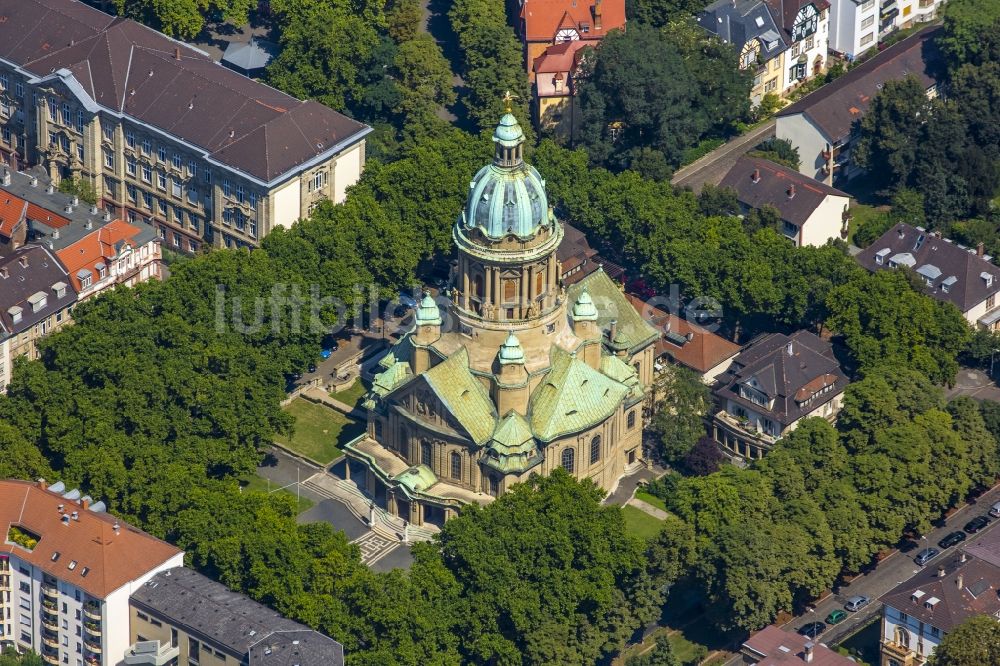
(893, 570)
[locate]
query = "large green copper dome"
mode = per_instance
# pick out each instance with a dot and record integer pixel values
(507, 197)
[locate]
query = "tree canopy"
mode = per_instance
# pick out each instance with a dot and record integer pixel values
(976, 641)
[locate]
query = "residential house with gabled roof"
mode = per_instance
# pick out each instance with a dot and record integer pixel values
(161, 131)
(117, 253)
(36, 295)
(555, 34)
(953, 273)
(782, 42)
(67, 569)
(686, 343)
(919, 612)
(514, 374)
(772, 385)
(821, 124)
(774, 646)
(812, 212)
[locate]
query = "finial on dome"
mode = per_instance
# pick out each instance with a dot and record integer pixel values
(511, 351)
(508, 102)
(584, 308)
(428, 313)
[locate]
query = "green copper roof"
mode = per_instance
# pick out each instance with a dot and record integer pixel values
(511, 351)
(508, 131)
(507, 196)
(583, 309)
(572, 397)
(463, 396)
(622, 372)
(513, 449)
(611, 304)
(427, 313)
(417, 479)
(395, 373)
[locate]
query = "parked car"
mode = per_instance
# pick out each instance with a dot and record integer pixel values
(926, 555)
(812, 630)
(976, 524)
(325, 354)
(952, 539)
(312, 367)
(836, 617)
(995, 510)
(857, 602)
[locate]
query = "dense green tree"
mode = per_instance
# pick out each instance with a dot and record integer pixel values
(780, 151)
(404, 19)
(679, 421)
(661, 655)
(659, 13)
(184, 19)
(548, 575)
(672, 551)
(20, 459)
(974, 642)
(658, 89)
(424, 78)
(983, 458)
(970, 33)
(10, 657)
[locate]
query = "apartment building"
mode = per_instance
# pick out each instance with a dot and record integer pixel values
(854, 27)
(162, 132)
(118, 253)
(35, 300)
(180, 616)
(67, 569)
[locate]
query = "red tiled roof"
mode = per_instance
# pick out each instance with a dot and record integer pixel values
(543, 18)
(104, 559)
(97, 246)
(38, 214)
(560, 57)
(783, 648)
(12, 210)
(703, 351)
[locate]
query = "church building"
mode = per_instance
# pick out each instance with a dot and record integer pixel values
(512, 373)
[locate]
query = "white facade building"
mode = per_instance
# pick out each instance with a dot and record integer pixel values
(66, 572)
(854, 26)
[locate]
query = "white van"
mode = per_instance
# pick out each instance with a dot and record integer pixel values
(995, 510)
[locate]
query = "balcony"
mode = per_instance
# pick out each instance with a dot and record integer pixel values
(50, 622)
(894, 651)
(91, 660)
(151, 653)
(91, 645)
(51, 658)
(92, 628)
(51, 639)
(51, 591)
(92, 610)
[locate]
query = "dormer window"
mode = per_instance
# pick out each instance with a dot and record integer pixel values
(987, 278)
(15, 314)
(38, 301)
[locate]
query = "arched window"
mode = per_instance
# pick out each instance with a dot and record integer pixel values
(477, 285)
(494, 486)
(568, 460)
(425, 453)
(539, 283)
(595, 449)
(902, 637)
(456, 465)
(631, 419)
(509, 291)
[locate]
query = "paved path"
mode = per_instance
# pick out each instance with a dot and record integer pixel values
(627, 485)
(975, 384)
(713, 167)
(374, 547)
(648, 508)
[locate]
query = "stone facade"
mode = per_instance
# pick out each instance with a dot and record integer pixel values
(511, 373)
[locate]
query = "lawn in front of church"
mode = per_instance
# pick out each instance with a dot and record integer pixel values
(640, 523)
(319, 431)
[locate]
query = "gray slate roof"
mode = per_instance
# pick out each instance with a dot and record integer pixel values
(42, 271)
(836, 106)
(772, 188)
(128, 68)
(738, 23)
(255, 54)
(781, 375)
(234, 622)
(960, 272)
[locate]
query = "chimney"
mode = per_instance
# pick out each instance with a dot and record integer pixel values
(177, 53)
(900, 231)
(959, 581)
(980, 249)
(76, 200)
(6, 176)
(23, 260)
(789, 349)
(962, 557)
(42, 483)
(55, 234)
(50, 189)
(755, 176)
(89, 225)
(940, 573)
(93, 209)
(791, 191)
(61, 507)
(613, 331)
(75, 515)
(107, 216)
(85, 503)
(34, 181)
(116, 527)
(808, 656)
(68, 208)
